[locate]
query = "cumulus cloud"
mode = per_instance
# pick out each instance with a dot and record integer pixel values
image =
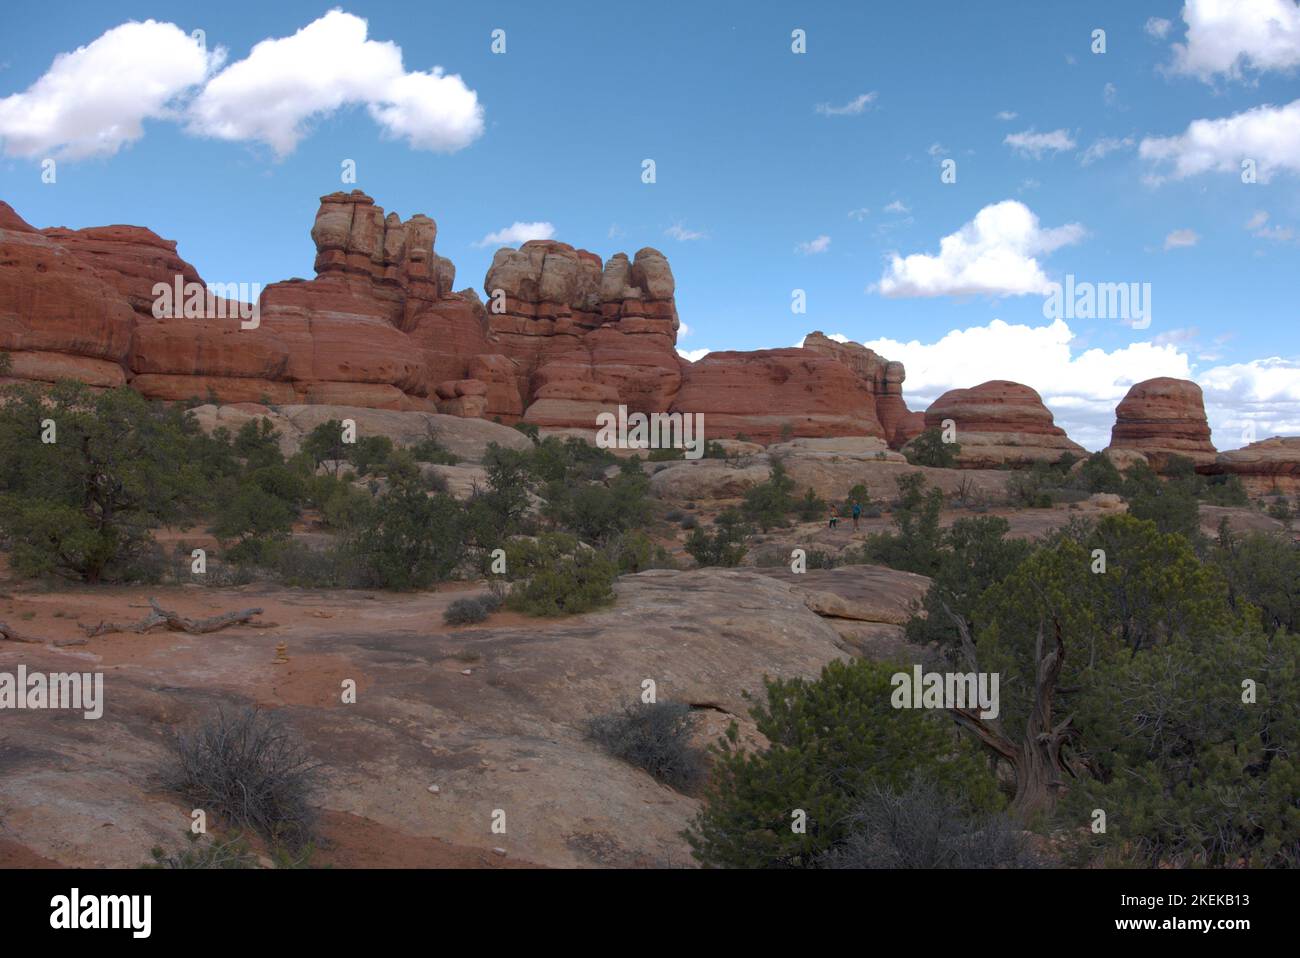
(517, 233)
(855, 106)
(271, 95)
(94, 100)
(683, 235)
(1230, 37)
(1180, 239)
(1082, 386)
(994, 254)
(1103, 148)
(1029, 143)
(1006, 115)
(693, 355)
(1268, 135)
(812, 247)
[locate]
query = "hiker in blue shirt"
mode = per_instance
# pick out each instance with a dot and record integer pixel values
(857, 511)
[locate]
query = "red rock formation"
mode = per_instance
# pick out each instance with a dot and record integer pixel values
(1000, 423)
(1161, 418)
(562, 336)
(1268, 466)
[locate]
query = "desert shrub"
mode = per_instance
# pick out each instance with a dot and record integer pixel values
(725, 546)
(1172, 505)
(811, 507)
(831, 740)
(406, 539)
(818, 559)
(471, 610)
(570, 460)
(861, 496)
(655, 737)
(258, 444)
(923, 826)
(83, 506)
(915, 546)
(666, 454)
(635, 552)
(714, 450)
(369, 454)
(1224, 491)
(929, 449)
(1261, 570)
(768, 503)
(557, 575)
(429, 449)
(1099, 474)
(246, 767)
(595, 511)
(215, 853)
(689, 522)
(674, 515)
(325, 444)
(976, 555)
(530, 430)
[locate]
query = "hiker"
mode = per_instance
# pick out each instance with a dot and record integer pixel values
(857, 512)
(835, 517)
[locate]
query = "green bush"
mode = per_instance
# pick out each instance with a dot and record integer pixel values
(915, 546)
(407, 539)
(929, 449)
(831, 740)
(471, 610)
(557, 575)
(725, 546)
(768, 503)
(83, 506)
(1099, 474)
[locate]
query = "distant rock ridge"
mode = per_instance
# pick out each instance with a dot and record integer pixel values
(557, 338)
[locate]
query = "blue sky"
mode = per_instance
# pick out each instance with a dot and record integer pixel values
(775, 171)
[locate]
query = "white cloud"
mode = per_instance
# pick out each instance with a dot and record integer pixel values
(682, 330)
(272, 94)
(517, 233)
(1029, 143)
(1267, 134)
(1082, 386)
(1110, 93)
(855, 106)
(1158, 27)
(1258, 226)
(1229, 37)
(94, 100)
(812, 247)
(860, 214)
(1180, 239)
(680, 233)
(1103, 147)
(897, 206)
(693, 355)
(993, 255)
(937, 150)
(1006, 115)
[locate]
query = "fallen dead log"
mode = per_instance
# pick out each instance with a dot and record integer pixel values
(13, 635)
(174, 621)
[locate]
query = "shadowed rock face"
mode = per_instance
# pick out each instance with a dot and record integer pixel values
(1161, 418)
(1001, 423)
(562, 338)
